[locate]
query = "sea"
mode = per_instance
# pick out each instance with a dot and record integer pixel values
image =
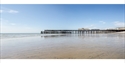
(18, 35)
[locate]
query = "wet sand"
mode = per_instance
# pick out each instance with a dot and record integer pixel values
(84, 46)
(121, 32)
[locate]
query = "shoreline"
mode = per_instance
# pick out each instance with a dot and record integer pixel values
(42, 35)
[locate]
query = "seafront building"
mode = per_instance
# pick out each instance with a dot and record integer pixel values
(120, 28)
(83, 29)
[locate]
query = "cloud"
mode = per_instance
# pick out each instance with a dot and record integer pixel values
(13, 11)
(7, 10)
(12, 24)
(91, 25)
(119, 24)
(102, 22)
(1, 11)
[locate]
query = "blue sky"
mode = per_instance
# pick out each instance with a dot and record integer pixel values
(32, 18)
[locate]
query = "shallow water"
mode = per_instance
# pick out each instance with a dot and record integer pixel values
(75, 46)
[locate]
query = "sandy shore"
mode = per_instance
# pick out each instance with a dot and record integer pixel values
(101, 46)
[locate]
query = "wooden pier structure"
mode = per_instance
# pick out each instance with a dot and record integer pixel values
(79, 31)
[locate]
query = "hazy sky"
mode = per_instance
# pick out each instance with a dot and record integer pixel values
(36, 17)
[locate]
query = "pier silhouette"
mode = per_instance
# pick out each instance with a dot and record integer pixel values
(79, 31)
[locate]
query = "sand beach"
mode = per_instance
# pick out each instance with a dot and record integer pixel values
(83, 46)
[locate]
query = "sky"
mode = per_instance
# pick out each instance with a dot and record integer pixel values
(33, 18)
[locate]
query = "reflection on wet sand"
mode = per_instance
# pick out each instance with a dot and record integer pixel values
(102, 35)
(84, 35)
(66, 46)
(52, 36)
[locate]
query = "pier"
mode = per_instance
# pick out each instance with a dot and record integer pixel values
(79, 31)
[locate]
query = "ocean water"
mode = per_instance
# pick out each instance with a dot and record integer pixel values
(18, 35)
(62, 46)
